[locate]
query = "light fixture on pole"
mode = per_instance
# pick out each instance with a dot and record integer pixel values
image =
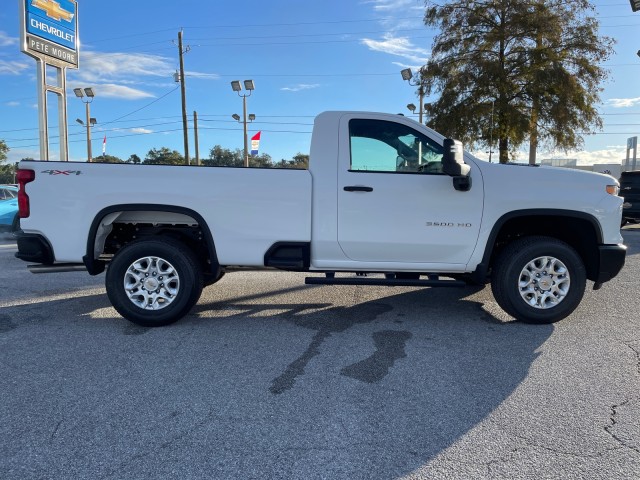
(635, 5)
(87, 93)
(407, 75)
(250, 87)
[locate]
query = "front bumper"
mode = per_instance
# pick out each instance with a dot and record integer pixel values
(611, 262)
(33, 248)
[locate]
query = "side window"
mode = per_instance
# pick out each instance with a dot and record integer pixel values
(3, 194)
(382, 146)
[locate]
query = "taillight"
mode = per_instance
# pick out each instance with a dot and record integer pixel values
(23, 177)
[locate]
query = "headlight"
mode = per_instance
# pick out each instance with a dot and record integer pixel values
(613, 189)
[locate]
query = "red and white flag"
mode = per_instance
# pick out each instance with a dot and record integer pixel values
(104, 145)
(255, 143)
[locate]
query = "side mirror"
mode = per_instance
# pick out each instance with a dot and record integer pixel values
(454, 166)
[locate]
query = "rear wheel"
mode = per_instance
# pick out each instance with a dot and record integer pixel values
(154, 282)
(539, 279)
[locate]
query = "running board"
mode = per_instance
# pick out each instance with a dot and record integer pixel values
(383, 282)
(57, 268)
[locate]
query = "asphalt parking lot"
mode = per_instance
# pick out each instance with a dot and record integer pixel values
(269, 378)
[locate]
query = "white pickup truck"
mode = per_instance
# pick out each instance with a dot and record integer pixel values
(383, 195)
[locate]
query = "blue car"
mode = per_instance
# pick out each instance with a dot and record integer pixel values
(8, 208)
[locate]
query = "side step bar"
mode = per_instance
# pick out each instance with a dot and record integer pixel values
(57, 268)
(383, 282)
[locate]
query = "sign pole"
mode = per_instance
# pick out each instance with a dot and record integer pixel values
(43, 118)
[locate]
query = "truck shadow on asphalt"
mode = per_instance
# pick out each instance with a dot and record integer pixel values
(372, 390)
(394, 381)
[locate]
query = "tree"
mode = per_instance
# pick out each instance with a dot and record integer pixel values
(224, 157)
(4, 149)
(7, 172)
(300, 161)
(261, 161)
(134, 159)
(163, 156)
(514, 70)
(107, 159)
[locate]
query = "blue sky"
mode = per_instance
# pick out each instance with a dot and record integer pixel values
(304, 57)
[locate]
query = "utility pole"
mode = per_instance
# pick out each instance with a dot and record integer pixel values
(195, 134)
(183, 89)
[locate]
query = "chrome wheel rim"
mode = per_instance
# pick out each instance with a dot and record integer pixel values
(151, 283)
(544, 282)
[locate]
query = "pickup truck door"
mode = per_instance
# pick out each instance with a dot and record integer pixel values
(394, 202)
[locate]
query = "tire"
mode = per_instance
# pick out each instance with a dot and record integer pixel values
(538, 279)
(171, 272)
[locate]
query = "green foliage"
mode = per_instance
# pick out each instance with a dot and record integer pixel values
(4, 149)
(7, 172)
(134, 159)
(299, 161)
(224, 157)
(164, 156)
(508, 69)
(107, 159)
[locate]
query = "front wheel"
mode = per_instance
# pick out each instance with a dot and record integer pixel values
(154, 282)
(539, 279)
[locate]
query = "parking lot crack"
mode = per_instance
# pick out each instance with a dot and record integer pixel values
(55, 430)
(555, 450)
(634, 346)
(616, 428)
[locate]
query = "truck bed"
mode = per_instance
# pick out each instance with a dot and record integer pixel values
(246, 209)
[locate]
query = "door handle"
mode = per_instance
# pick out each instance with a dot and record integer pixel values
(356, 188)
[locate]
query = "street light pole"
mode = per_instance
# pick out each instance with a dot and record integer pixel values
(244, 118)
(87, 93)
(250, 87)
(88, 111)
(407, 75)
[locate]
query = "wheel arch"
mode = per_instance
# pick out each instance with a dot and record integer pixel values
(97, 237)
(580, 230)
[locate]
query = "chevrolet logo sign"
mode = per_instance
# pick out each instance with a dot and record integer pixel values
(53, 9)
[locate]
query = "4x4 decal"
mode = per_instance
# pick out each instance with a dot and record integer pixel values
(63, 172)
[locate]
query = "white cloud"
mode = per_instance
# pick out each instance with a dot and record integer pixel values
(614, 155)
(17, 154)
(114, 74)
(609, 155)
(12, 67)
(141, 130)
(399, 46)
(111, 90)
(393, 5)
(205, 76)
(623, 102)
(97, 67)
(6, 40)
(300, 86)
(12, 104)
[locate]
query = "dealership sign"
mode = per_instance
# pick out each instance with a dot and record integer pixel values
(50, 31)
